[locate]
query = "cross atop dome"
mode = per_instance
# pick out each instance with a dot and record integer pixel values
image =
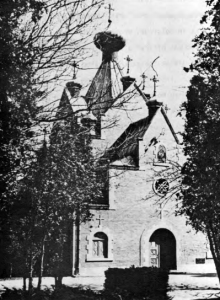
(110, 9)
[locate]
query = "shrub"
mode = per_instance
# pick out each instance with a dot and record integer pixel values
(19, 294)
(61, 293)
(137, 283)
(69, 293)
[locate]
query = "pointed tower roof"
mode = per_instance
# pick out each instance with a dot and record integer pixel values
(106, 85)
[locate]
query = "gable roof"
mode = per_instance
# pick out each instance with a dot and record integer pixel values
(127, 143)
(64, 108)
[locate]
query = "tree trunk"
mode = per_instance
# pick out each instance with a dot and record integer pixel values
(41, 265)
(217, 265)
(77, 244)
(60, 267)
(24, 284)
(214, 249)
(59, 281)
(10, 270)
(30, 283)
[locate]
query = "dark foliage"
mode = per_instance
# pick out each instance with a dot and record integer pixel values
(17, 104)
(137, 283)
(201, 172)
(61, 293)
(56, 191)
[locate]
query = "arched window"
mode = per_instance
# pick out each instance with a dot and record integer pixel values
(100, 245)
(161, 154)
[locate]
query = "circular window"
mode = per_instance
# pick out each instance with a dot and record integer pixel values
(161, 186)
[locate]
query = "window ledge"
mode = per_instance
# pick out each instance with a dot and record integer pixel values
(99, 206)
(94, 259)
(161, 164)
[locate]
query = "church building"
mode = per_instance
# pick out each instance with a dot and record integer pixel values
(135, 224)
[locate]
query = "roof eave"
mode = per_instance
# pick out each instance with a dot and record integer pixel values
(169, 124)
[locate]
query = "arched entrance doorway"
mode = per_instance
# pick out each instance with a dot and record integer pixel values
(163, 249)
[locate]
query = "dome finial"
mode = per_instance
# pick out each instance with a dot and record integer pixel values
(128, 60)
(109, 14)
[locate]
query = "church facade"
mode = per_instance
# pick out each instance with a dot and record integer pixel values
(136, 224)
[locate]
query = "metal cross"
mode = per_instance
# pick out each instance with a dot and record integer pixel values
(144, 78)
(166, 108)
(161, 210)
(75, 66)
(99, 219)
(155, 80)
(109, 13)
(128, 60)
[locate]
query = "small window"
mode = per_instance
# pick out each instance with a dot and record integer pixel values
(100, 245)
(161, 154)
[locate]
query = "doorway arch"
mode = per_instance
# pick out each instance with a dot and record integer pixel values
(162, 252)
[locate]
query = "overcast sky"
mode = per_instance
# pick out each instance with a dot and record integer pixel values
(155, 28)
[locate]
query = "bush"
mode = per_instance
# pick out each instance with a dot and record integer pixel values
(62, 293)
(9, 294)
(137, 283)
(69, 293)
(19, 294)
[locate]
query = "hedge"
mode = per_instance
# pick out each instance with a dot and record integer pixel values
(61, 293)
(137, 283)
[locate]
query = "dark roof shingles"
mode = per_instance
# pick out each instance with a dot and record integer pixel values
(127, 143)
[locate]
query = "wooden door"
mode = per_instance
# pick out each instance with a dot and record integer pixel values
(154, 255)
(163, 249)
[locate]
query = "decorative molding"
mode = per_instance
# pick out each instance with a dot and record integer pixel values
(124, 167)
(155, 159)
(92, 259)
(111, 189)
(89, 246)
(155, 163)
(98, 206)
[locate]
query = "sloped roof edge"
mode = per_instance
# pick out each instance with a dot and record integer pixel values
(169, 124)
(127, 143)
(162, 111)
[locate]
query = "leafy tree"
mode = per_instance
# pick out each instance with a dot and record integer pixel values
(57, 189)
(201, 172)
(39, 40)
(17, 102)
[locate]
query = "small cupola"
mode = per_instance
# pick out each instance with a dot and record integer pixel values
(74, 88)
(126, 82)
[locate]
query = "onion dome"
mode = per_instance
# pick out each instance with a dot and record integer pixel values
(74, 88)
(108, 43)
(105, 86)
